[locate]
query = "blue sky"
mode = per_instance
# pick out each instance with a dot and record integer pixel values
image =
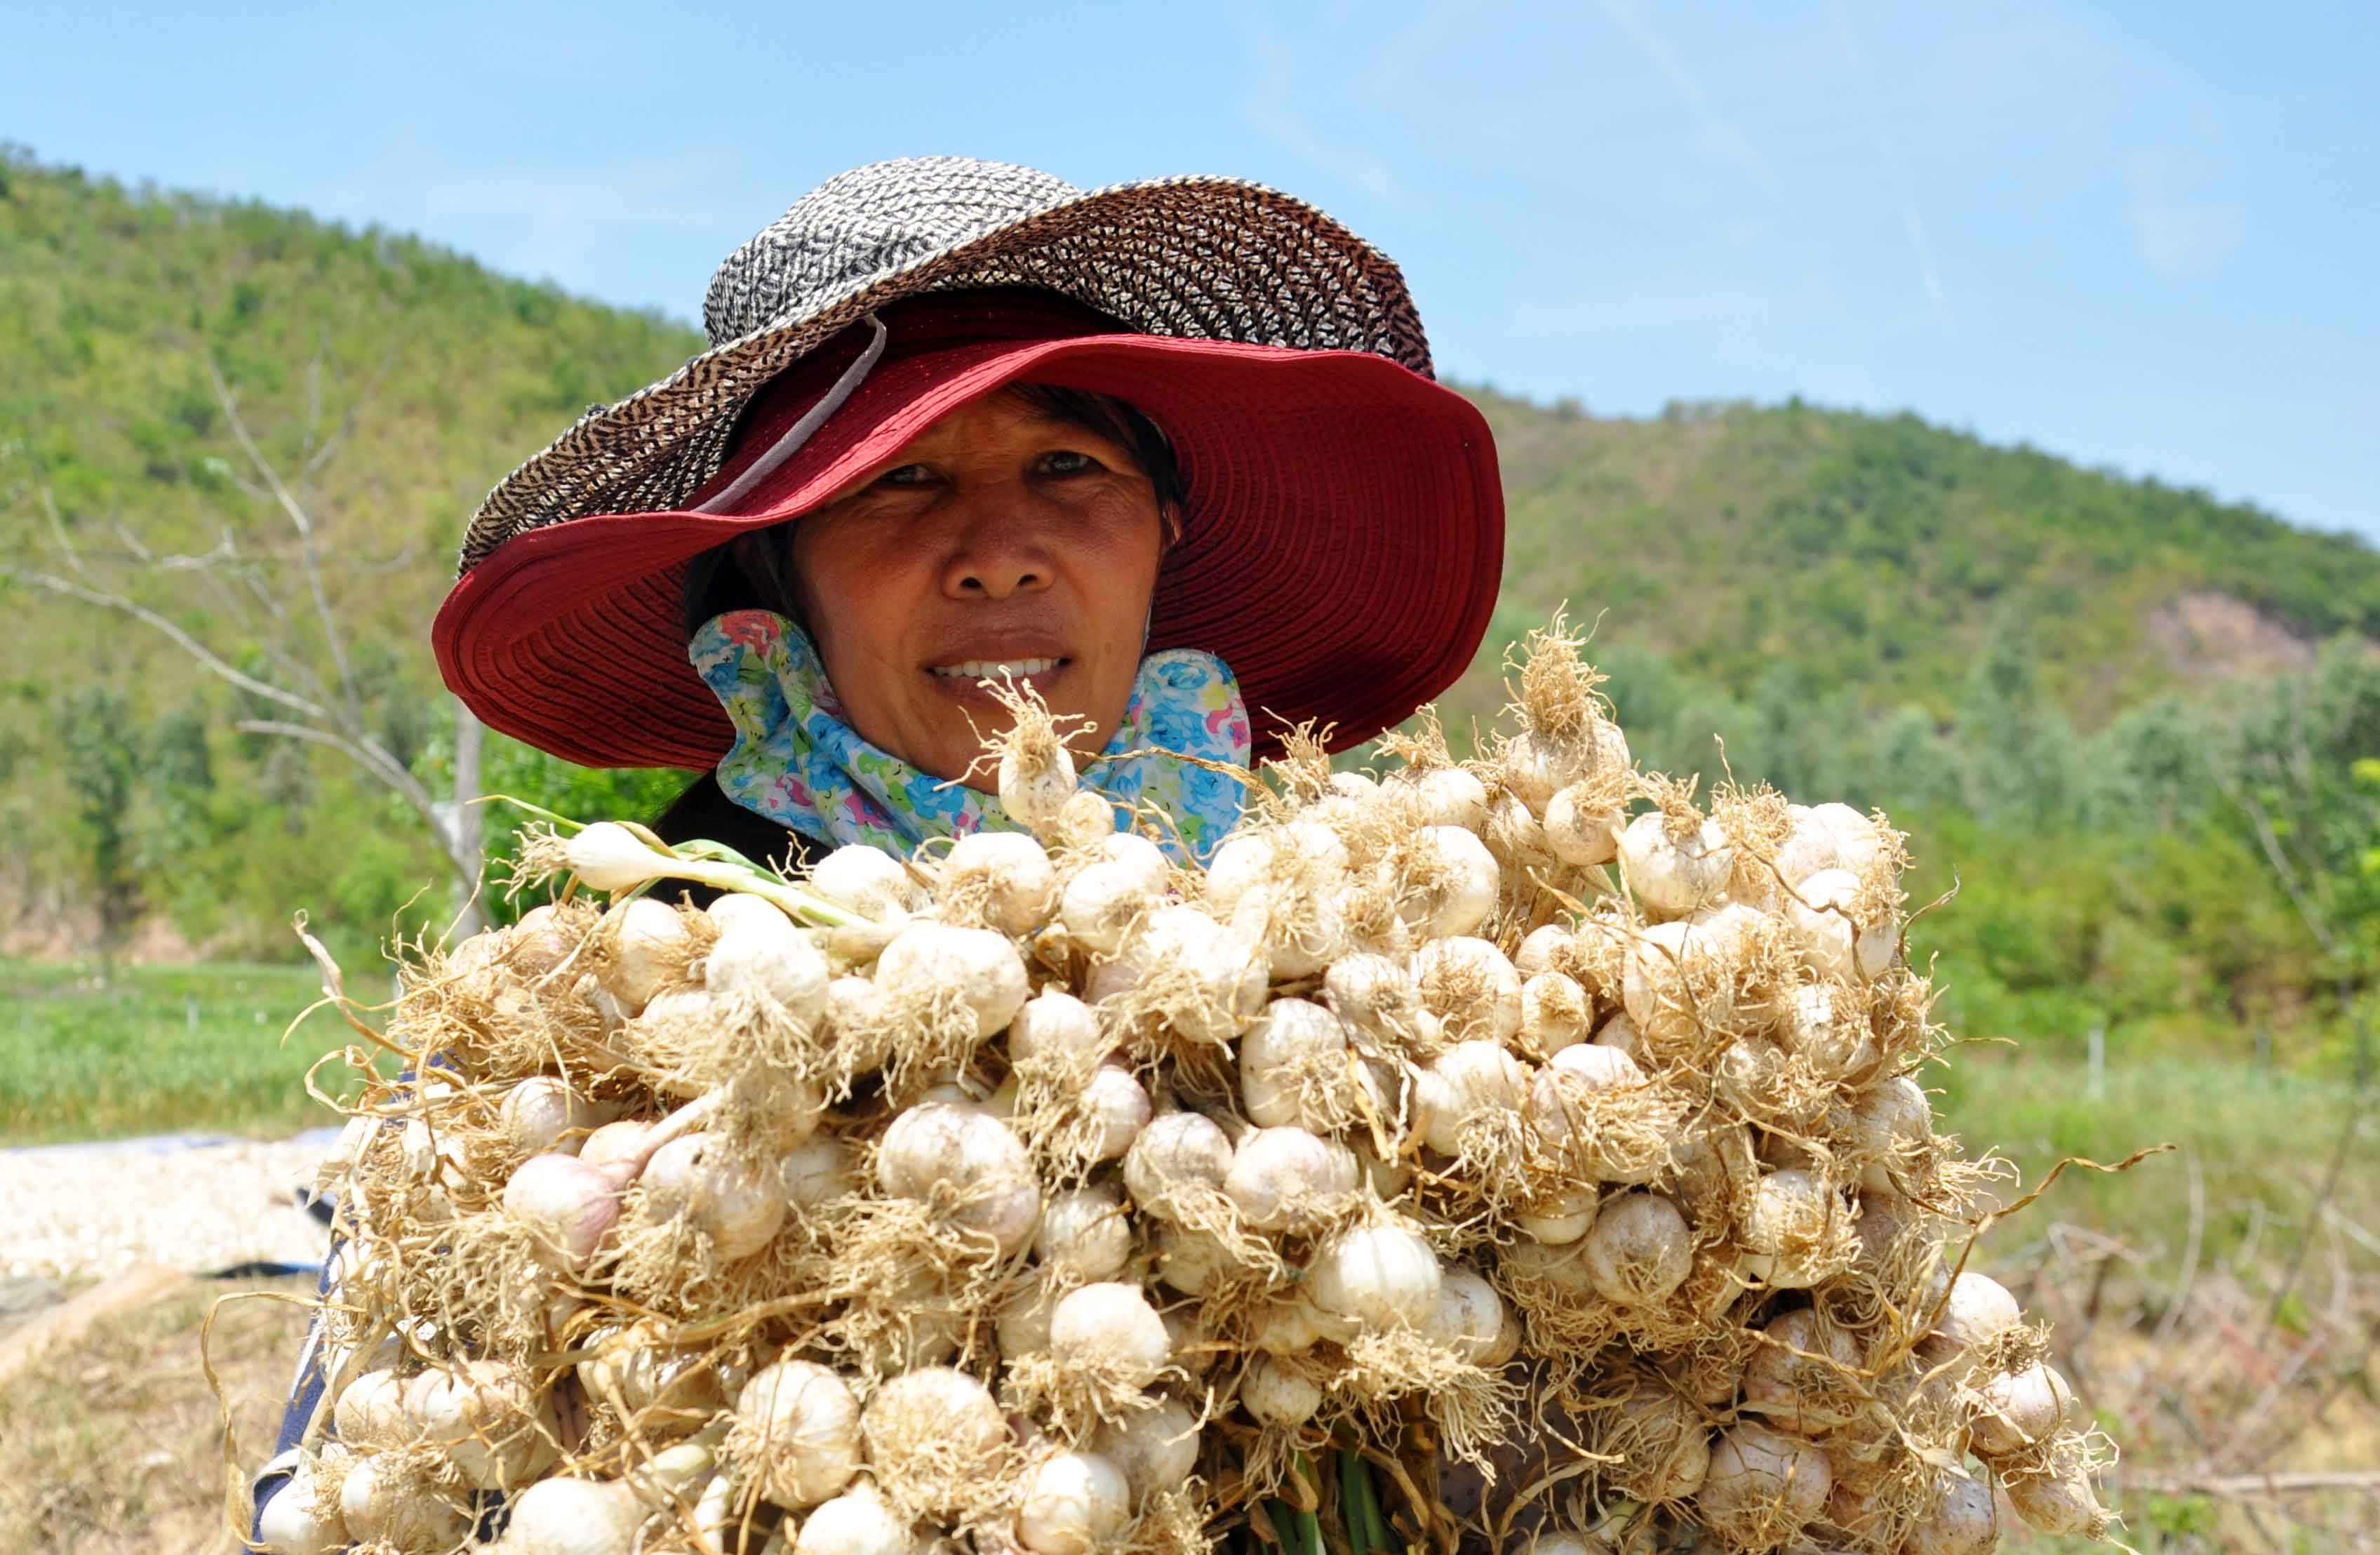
(2140, 236)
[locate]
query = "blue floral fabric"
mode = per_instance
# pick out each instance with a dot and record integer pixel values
(797, 761)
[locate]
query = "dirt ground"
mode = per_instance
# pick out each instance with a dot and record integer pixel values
(114, 1443)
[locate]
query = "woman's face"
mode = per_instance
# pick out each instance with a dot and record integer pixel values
(996, 538)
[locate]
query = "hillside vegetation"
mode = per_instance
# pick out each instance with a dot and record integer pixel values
(2126, 718)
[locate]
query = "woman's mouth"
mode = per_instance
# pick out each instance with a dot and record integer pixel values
(996, 669)
(964, 679)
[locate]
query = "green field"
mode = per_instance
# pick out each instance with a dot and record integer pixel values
(157, 1050)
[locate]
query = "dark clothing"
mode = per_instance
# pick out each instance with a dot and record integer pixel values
(704, 810)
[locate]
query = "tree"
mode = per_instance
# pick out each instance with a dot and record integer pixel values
(96, 727)
(291, 664)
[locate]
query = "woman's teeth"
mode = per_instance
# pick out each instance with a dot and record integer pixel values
(996, 669)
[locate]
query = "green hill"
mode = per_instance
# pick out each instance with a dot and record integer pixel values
(1988, 638)
(1871, 551)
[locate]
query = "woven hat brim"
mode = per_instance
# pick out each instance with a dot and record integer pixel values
(1189, 258)
(1343, 550)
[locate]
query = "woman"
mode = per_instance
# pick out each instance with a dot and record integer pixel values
(1167, 452)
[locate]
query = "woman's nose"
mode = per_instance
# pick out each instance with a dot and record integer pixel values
(1000, 551)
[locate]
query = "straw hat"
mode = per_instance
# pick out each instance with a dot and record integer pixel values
(1344, 530)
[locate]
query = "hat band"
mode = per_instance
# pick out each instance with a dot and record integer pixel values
(800, 431)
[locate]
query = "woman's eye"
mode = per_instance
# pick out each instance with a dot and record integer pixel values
(1067, 461)
(907, 475)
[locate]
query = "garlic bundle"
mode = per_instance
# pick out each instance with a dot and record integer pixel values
(1048, 1193)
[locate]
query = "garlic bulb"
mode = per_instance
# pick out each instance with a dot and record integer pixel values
(1055, 1027)
(1287, 1325)
(294, 1522)
(1555, 1014)
(1454, 797)
(1448, 884)
(649, 944)
(1763, 1486)
(1206, 981)
(2016, 1410)
(858, 1522)
(1799, 1394)
(815, 1173)
(1372, 991)
(1471, 1320)
(1120, 1105)
(1577, 1101)
(1157, 1448)
(798, 1427)
(543, 1113)
(413, 1516)
(1470, 1082)
(1189, 1261)
(1680, 981)
(574, 1517)
(1176, 1154)
(1559, 1217)
(1662, 1444)
(736, 1201)
(1022, 1325)
(1281, 1176)
(1811, 846)
(1827, 1029)
(1102, 902)
(2058, 1501)
(371, 1411)
(1583, 827)
(771, 958)
(731, 908)
(1674, 874)
(1005, 876)
(1111, 1328)
(1072, 1504)
(1978, 1311)
(1036, 778)
(1797, 1227)
(1859, 841)
(653, 1384)
(1381, 1275)
(1638, 1250)
(868, 880)
(931, 965)
(1470, 986)
(1891, 1126)
(1287, 1057)
(1275, 1395)
(971, 1164)
(935, 1436)
(1084, 1234)
(1964, 1522)
(488, 1420)
(1836, 941)
(1620, 1032)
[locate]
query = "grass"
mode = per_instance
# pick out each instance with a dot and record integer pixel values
(157, 1050)
(2259, 1142)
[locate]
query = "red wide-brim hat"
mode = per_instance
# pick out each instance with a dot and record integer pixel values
(1341, 546)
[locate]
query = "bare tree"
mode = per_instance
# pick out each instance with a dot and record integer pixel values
(314, 696)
